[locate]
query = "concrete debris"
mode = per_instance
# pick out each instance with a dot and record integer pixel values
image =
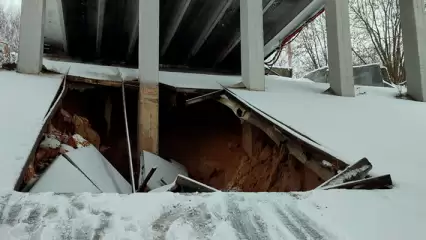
(80, 170)
(50, 142)
(184, 184)
(64, 134)
(357, 171)
(166, 172)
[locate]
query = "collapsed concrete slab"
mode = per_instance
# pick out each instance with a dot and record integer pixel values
(82, 170)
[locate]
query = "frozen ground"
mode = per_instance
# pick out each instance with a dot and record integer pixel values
(388, 131)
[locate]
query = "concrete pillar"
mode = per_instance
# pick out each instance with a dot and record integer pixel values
(252, 61)
(149, 34)
(414, 35)
(339, 48)
(31, 39)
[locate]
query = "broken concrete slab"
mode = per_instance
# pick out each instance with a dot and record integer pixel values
(356, 171)
(63, 177)
(166, 173)
(184, 184)
(98, 169)
(79, 170)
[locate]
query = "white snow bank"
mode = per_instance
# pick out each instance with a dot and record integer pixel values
(390, 132)
(336, 214)
(24, 102)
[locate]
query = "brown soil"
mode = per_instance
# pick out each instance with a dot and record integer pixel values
(271, 169)
(206, 138)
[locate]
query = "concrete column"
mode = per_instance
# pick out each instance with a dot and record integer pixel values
(339, 48)
(31, 40)
(414, 35)
(149, 34)
(252, 61)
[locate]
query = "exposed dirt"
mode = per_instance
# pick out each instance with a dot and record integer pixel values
(272, 169)
(206, 138)
(90, 103)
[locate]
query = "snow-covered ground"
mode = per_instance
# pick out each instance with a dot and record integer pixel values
(24, 103)
(390, 132)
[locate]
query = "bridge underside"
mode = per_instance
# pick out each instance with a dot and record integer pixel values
(194, 34)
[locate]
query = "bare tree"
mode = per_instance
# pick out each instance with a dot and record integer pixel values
(380, 21)
(313, 42)
(9, 28)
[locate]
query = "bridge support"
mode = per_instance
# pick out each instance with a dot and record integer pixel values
(252, 56)
(339, 48)
(149, 35)
(31, 40)
(414, 34)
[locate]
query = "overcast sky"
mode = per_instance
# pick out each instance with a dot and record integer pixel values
(10, 4)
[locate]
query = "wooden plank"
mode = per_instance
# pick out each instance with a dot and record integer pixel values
(357, 171)
(148, 118)
(296, 150)
(381, 182)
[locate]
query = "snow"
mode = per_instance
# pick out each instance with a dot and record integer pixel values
(388, 131)
(158, 216)
(49, 142)
(90, 71)
(372, 125)
(111, 73)
(334, 214)
(166, 172)
(24, 102)
(198, 81)
(326, 164)
(97, 168)
(63, 177)
(349, 175)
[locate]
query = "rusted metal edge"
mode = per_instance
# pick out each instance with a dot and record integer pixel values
(53, 109)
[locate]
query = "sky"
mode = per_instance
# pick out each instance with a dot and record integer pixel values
(10, 4)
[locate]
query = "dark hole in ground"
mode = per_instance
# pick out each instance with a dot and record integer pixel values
(90, 102)
(207, 138)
